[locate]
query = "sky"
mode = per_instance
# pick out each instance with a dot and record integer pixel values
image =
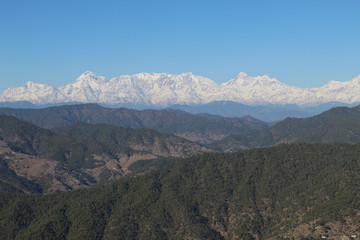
(304, 43)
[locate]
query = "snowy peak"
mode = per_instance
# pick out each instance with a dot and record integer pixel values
(37, 86)
(186, 88)
(88, 73)
(356, 79)
(32, 92)
(29, 84)
(244, 79)
(86, 88)
(188, 75)
(90, 77)
(159, 88)
(242, 75)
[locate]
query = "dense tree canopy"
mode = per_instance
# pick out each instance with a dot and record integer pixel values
(260, 193)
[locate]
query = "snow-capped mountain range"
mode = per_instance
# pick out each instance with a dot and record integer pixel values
(164, 89)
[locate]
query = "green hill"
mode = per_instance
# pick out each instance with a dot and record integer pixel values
(23, 137)
(337, 125)
(297, 191)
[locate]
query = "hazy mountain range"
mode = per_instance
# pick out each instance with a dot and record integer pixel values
(162, 89)
(203, 128)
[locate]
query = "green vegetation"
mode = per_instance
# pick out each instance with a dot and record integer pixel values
(105, 175)
(23, 137)
(123, 138)
(337, 125)
(80, 147)
(107, 134)
(259, 193)
(10, 182)
(146, 165)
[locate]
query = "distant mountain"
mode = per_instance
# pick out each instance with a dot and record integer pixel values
(20, 104)
(27, 104)
(203, 128)
(162, 89)
(337, 125)
(340, 124)
(267, 113)
(33, 159)
(292, 191)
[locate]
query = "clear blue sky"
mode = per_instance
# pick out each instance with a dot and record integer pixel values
(302, 43)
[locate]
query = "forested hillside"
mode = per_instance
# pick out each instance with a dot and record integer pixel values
(34, 159)
(297, 191)
(337, 125)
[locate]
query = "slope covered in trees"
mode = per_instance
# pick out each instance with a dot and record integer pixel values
(298, 191)
(146, 140)
(337, 125)
(79, 155)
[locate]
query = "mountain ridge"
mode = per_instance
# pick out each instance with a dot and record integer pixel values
(337, 125)
(34, 159)
(163, 89)
(194, 127)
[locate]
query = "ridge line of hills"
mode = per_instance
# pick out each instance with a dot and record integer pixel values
(264, 112)
(202, 128)
(340, 124)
